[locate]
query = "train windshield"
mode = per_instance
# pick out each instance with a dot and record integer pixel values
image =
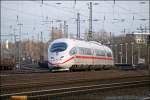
(58, 47)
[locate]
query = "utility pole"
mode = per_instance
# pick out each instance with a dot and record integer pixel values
(28, 52)
(139, 50)
(52, 34)
(110, 38)
(148, 47)
(116, 46)
(126, 53)
(124, 30)
(65, 31)
(31, 48)
(60, 28)
(20, 50)
(41, 48)
(78, 25)
(11, 33)
(15, 47)
(132, 52)
(90, 22)
(65, 28)
(121, 53)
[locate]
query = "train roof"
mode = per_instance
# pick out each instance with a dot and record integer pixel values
(82, 43)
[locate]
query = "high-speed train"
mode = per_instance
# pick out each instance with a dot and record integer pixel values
(71, 54)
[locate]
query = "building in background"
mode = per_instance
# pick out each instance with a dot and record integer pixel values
(140, 38)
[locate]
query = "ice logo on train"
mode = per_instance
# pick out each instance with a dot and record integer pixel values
(71, 54)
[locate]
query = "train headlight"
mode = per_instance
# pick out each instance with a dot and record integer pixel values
(62, 57)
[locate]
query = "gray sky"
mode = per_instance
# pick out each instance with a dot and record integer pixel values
(32, 15)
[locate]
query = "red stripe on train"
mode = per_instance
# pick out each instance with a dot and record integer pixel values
(91, 57)
(61, 62)
(83, 57)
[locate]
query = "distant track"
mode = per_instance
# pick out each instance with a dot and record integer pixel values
(26, 68)
(42, 94)
(7, 73)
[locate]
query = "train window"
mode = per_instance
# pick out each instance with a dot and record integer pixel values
(88, 51)
(81, 50)
(73, 51)
(58, 47)
(85, 51)
(100, 53)
(109, 54)
(103, 53)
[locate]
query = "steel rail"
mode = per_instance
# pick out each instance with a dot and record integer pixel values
(79, 89)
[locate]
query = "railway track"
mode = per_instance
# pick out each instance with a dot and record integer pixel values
(38, 77)
(9, 88)
(48, 93)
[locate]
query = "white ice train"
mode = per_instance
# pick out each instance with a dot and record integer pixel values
(72, 54)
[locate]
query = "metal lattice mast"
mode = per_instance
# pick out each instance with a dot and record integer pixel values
(90, 22)
(78, 25)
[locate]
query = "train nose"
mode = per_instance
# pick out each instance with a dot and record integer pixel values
(54, 61)
(53, 64)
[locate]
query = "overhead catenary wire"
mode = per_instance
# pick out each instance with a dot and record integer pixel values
(68, 9)
(129, 10)
(72, 11)
(56, 6)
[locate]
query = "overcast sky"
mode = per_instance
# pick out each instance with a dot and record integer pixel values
(33, 15)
